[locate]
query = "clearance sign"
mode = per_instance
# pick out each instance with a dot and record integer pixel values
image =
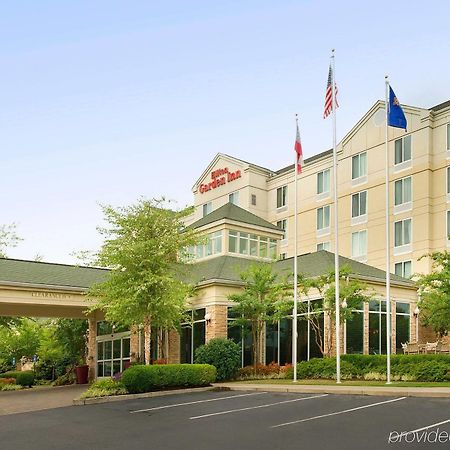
(220, 177)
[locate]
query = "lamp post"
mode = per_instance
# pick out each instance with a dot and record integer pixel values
(344, 306)
(416, 315)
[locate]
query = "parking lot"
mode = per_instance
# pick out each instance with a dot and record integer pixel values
(235, 420)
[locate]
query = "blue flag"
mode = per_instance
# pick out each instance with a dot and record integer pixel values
(396, 116)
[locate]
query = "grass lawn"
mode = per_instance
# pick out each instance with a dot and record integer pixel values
(350, 383)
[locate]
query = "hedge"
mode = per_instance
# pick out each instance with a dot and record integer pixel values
(137, 379)
(25, 379)
(403, 367)
(223, 354)
(14, 373)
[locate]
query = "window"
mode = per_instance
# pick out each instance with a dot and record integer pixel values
(402, 318)
(377, 327)
(323, 218)
(283, 225)
(448, 180)
(207, 208)
(281, 196)
(192, 335)
(403, 269)
(323, 246)
(448, 226)
(212, 245)
(323, 182)
(402, 191)
(354, 331)
(234, 198)
(402, 232)
(359, 166)
(448, 137)
(359, 244)
(253, 200)
(359, 204)
(402, 149)
(113, 349)
(241, 336)
(251, 244)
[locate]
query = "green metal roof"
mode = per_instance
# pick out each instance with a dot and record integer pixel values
(228, 268)
(42, 273)
(232, 212)
(225, 268)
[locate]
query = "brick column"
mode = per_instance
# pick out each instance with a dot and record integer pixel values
(217, 325)
(92, 344)
(174, 347)
(366, 329)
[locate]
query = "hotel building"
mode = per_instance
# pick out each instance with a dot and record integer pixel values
(246, 211)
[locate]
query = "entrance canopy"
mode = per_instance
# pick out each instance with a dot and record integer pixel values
(38, 289)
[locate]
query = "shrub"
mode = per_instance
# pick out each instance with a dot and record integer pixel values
(373, 367)
(25, 379)
(323, 368)
(223, 354)
(11, 387)
(105, 388)
(4, 381)
(11, 374)
(272, 370)
(68, 378)
(138, 379)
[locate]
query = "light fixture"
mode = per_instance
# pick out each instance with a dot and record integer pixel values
(344, 303)
(208, 318)
(416, 311)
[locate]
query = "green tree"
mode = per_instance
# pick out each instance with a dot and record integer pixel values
(20, 340)
(352, 292)
(434, 292)
(144, 246)
(265, 299)
(8, 238)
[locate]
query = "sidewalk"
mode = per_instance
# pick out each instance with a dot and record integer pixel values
(36, 399)
(442, 392)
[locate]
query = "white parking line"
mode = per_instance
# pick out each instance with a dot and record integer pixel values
(427, 427)
(195, 402)
(337, 413)
(256, 407)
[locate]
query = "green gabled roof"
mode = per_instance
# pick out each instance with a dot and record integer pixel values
(228, 268)
(318, 263)
(49, 274)
(232, 212)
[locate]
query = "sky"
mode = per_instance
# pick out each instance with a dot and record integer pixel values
(106, 102)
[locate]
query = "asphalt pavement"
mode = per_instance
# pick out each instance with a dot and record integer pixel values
(235, 420)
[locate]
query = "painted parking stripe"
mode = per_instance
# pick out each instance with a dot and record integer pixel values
(337, 412)
(195, 402)
(256, 407)
(434, 425)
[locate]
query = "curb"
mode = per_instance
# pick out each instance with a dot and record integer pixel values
(118, 398)
(340, 390)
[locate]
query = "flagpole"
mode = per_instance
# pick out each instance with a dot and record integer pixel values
(294, 313)
(336, 226)
(388, 244)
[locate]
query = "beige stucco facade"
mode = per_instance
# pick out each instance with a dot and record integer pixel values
(428, 132)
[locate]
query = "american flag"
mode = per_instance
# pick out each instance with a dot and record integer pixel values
(298, 150)
(329, 96)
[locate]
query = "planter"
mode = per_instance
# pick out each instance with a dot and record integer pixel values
(82, 373)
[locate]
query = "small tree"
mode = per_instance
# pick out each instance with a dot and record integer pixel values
(8, 238)
(351, 290)
(434, 290)
(142, 245)
(263, 300)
